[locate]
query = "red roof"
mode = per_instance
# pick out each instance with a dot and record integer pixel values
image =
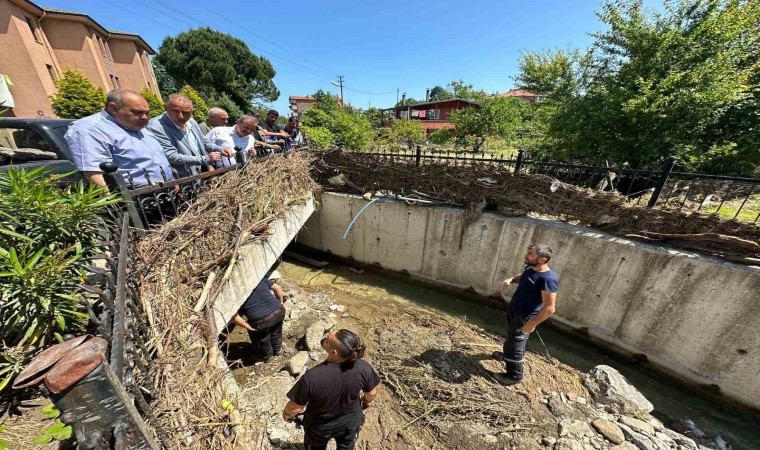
(517, 93)
(301, 97)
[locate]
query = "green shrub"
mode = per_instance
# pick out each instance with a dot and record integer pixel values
(406, 133)
(154, 102)
(76, 96)
(47, 236)
(319, 137)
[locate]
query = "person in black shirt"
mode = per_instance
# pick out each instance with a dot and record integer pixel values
(262, 315)
(334, 393)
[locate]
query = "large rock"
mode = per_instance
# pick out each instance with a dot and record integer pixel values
(574, 429)
(680, 439)
(609, 430)
(609, 387)
(638, 425)
(624, 446)
(315, 332)
(641, 440)
(568, 444)
(297, 363)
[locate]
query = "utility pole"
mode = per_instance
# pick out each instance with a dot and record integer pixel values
(339, 83)
(396, 96)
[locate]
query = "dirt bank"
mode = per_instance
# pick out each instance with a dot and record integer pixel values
(437, 386)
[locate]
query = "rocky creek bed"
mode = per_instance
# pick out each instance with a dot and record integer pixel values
(437, 388)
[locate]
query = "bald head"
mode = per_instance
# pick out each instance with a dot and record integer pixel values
(179, 108)
(217, 117)
(128, 108)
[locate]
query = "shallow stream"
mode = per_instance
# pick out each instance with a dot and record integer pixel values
(671, 400)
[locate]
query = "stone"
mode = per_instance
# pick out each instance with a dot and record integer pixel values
(667, 440)
(624, 446)
(568, 444)
(333, 307)
(315, 332)
(314, 356)
(341, 308)
(490, 439)
(609, 430)
(545, 401)
(574, 428)
(558, 408)
(332, 315)
(297, 363)
(638, 425)
(641, 440)
(581, 400)
(572, 396)
(680, 439)
(656, 424)
(608, 387)
(548, 441)
(345, 315)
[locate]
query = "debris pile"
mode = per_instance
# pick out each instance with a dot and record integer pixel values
(475, 187)
(182, 268)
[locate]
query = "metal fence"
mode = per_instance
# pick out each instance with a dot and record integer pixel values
(108, 401)
(663, 186)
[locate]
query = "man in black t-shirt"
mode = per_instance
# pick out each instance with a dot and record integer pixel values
(532, 303)
(334, 393)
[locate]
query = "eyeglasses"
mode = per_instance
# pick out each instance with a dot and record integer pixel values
(183, 111)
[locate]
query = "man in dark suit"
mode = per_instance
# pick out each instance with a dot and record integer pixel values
(181, 137)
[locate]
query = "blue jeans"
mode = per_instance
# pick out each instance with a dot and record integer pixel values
(514, 345)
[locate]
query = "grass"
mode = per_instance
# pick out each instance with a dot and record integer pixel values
(748, 212)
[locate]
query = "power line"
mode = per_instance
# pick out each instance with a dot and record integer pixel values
(259, 36)
(370, 93)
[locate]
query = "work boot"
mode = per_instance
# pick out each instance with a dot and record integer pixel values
(505, 380)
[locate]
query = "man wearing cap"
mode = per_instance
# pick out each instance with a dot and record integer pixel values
(262, 315)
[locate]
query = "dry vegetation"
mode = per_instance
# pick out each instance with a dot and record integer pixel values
(475, 186)
(182, 269)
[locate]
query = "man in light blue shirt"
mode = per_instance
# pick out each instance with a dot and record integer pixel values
(115, 134)
(181, 138)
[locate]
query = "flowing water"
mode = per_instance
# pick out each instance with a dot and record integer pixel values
(672, 401)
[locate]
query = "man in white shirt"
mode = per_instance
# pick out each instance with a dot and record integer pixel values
(221, 139)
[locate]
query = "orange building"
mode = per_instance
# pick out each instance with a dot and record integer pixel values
(38, 44)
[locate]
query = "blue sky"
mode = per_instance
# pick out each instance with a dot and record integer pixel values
(378, 46)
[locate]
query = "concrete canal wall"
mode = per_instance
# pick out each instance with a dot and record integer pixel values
(691, 316)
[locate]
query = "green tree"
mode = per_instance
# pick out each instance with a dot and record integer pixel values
(348, 127)
(154, 102)
(460, 89)
(681, 82)
(439, 93)
(407, 133)
(549, 73)
(216, 62)
(499, 117)
(166, 84)
(225, 102)
(200, 108)
(76, 96)
(319, 137)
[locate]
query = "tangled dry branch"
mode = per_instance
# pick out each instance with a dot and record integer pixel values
(475, 186)
(182, 261)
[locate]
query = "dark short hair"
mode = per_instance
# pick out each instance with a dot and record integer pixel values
(542, 250)
(293, 119)
(272, 111)
(349, 345)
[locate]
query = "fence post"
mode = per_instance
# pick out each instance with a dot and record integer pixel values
(117, 185)
(418, 156)
(518, 163)
(666, 170)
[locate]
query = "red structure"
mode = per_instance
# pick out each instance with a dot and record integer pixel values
(523, 94)
(432, 115)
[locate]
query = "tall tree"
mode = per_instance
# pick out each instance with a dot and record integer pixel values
(497, 117)
(680, 82)
(336, 124)
(217, 63)
(439, 93)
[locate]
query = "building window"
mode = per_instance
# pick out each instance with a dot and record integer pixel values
(33, 29)
(51, 72)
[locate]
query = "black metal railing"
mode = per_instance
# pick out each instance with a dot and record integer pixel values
(662, 186)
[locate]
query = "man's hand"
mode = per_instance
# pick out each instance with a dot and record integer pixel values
(215, 156)
(228, 152)
(504, 285)
(528, 328)
(366, 406)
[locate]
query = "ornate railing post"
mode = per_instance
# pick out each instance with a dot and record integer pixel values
(519, 162)
(116, 184)
(666, 170)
